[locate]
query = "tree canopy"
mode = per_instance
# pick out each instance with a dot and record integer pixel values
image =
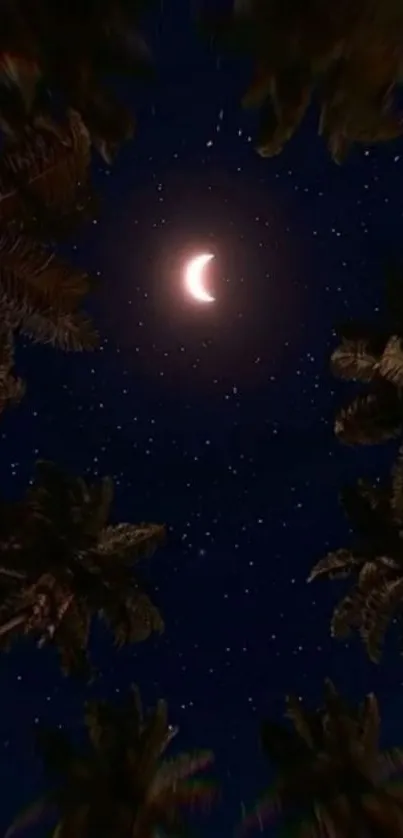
(347, 58)
(62, 564)
(120, 782)
(331, 779)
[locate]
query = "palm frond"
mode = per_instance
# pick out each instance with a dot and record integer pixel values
(109, 122)
(155, 737)
(351, 59)
(377, 613)
(369, 420)
(391, 362)
(354, 361)
(20, 73)
(347, 614)
(72, 638)
(338, 564)
(329, 786)
(175, 770)
(39, 295)
(335, 709)
(99, 719)
(65, 330)
(375, 513)
(131, 616)
(31, 276)
(106, 42)
(130, 542)
(300, 719)
(45, 176)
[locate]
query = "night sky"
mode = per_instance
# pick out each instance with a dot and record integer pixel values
(217, 420)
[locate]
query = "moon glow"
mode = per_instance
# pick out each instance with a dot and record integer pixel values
(194, 278)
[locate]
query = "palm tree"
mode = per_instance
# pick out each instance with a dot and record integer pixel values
(349, 57)
(331, 779)
(44, 189)
(39, 299)
(61, 565)
(56, 55)
(375, 513)
(119, 785)
(376, 359)
(372, 355)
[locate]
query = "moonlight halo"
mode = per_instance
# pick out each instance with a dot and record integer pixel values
(194, 278)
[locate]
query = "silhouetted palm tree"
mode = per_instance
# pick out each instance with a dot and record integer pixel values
(375, 359)
(375, 513)
(44, 190)
(331, 779)
(58, 55)
(348, 56)
(120, 785)
(372, 355)
(61, 565)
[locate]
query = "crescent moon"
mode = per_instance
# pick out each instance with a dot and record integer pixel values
(194, 278)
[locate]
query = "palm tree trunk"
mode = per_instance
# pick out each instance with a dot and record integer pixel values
(13, 623)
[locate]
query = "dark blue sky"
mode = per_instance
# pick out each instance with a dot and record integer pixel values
(217, 420)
